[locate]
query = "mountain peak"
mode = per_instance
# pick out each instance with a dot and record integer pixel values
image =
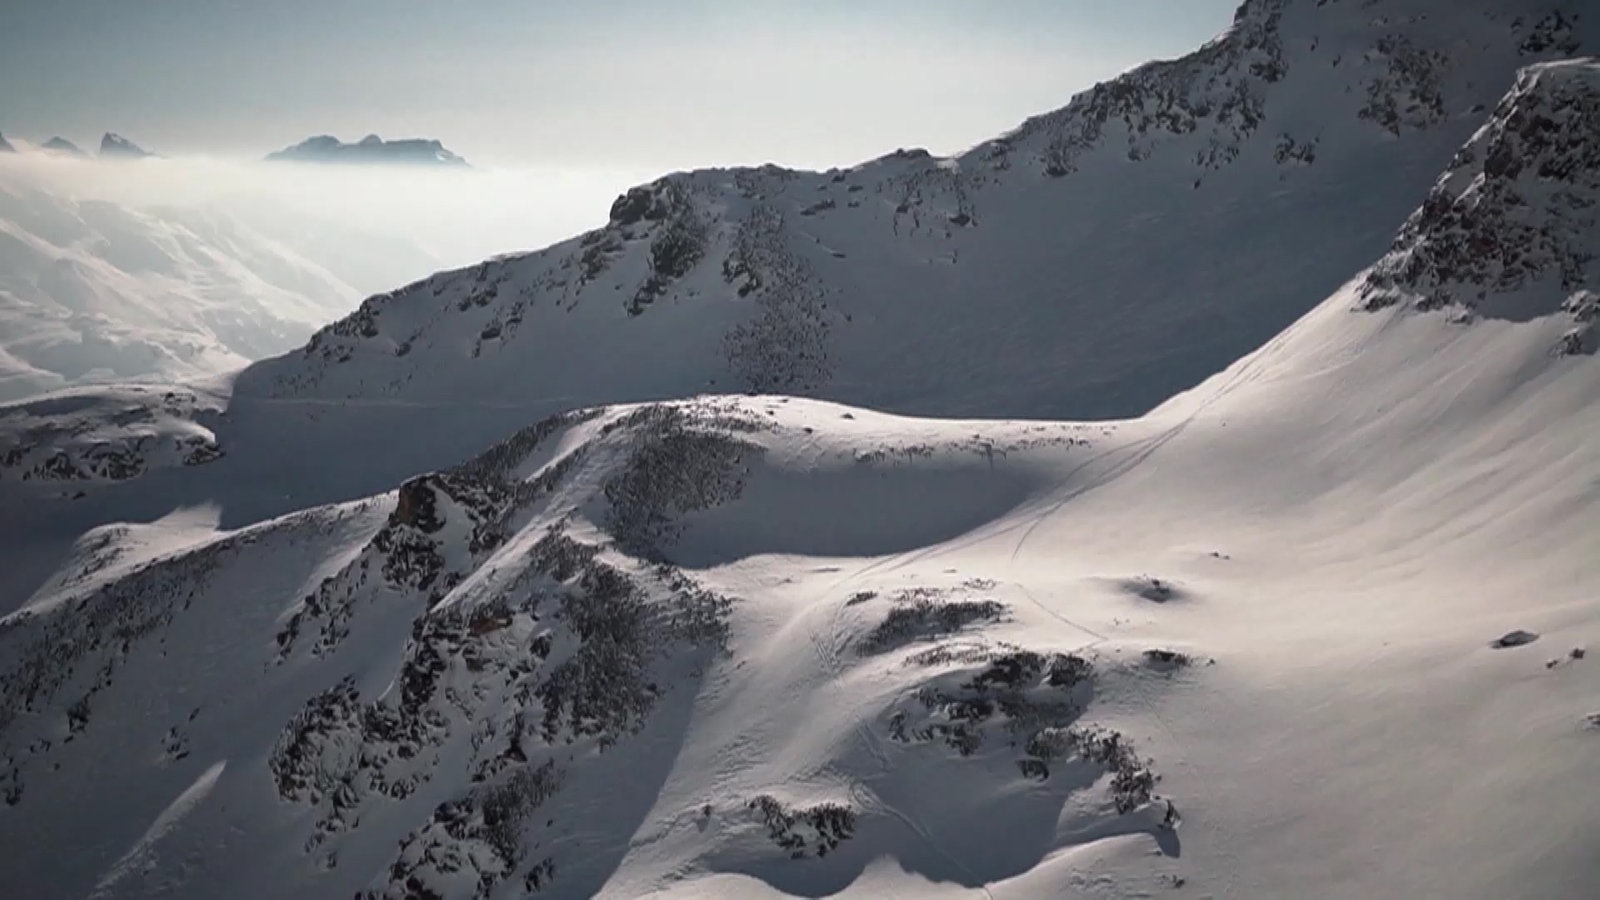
(741, 643)
(60, 144)
(369, 150)
(5, 145)
(1510, 230)
(115, 145)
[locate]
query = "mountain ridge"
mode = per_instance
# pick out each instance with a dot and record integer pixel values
(1514, 208)
(786, 345)
(760, 645)
(370, 149)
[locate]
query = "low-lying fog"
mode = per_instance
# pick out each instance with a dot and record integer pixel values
(176, 268)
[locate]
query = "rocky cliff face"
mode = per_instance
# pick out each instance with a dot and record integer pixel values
(1512, 229)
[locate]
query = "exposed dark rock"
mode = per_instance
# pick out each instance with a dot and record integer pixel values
(417, 505)
(1514, 639)
(923, 617)
(679, 242)
(1407, 94)
(807, 831)
(1554, 33)
(1218, 91)
(1166, 660)
(783, 348)
(1519, 206)
(676, 466)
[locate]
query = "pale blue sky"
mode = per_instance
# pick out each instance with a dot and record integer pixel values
(624, 83)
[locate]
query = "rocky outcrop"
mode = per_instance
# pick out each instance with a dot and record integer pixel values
(116, 436)
(810, 831)
(573, 649)
(783, 348)
(1512, 229)
(677, 241)
(1033, 702)
(1218, 92)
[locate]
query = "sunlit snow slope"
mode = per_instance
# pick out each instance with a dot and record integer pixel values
(1089, 264)
(1320, 626)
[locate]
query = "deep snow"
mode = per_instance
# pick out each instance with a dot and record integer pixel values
(763, 645)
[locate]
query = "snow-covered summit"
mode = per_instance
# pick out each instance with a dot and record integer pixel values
(370, 149)
(115, 146)
(5, 145)
(1516, 210)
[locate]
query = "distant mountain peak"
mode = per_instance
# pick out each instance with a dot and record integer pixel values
(60, 144)
(371, 149)
(114, 145)
(5, 145)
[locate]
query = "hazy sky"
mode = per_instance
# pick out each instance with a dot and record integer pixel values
(607, 83)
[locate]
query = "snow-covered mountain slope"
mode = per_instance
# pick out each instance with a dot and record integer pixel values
(105, 434)
(1089, 264)
(1097, 259)
(1321, 626)
(93, 290)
